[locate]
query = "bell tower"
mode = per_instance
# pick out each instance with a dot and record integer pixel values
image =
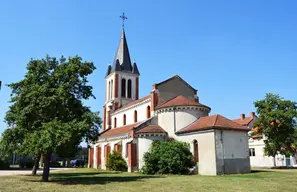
(122, 81)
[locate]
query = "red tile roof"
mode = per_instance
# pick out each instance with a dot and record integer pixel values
(151, 129)
(133, 102)
(180, 101)
(213, 122)
(244, 121)
(118, 131)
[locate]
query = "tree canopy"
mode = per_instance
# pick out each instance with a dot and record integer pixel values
(47, 113)
(277, 123)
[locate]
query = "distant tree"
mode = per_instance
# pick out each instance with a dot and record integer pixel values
(82, 153)
(277, 123)
(47, 111)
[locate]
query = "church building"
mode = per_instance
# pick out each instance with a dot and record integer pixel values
(172, 109)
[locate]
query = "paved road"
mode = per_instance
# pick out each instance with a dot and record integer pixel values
(26, 172)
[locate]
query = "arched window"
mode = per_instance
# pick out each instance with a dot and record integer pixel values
(195, 148)
(108, 91)
(148, 112)
(123, 87)
(129, 88)
(124, 119)
(115, 122)
(135, 116)
(111, 89)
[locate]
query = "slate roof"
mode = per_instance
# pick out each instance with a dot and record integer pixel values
(180, 101)
(122, 61)
(213, 122)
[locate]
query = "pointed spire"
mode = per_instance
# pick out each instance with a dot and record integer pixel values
(108, 70)
(122, 56)
(135, 68)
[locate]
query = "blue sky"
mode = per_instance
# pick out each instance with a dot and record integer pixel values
(232, 51)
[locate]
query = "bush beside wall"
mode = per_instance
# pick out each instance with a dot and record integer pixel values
(168, 157)
(116, 162)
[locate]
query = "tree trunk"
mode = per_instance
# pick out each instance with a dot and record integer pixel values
(64, 163)
(41, 161)
(274, 161)
(36, 164)
(46, 167)
(295, 158)
(68, 163)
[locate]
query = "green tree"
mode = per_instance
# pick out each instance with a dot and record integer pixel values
(173, 157)
(277, 123)
(47, 111)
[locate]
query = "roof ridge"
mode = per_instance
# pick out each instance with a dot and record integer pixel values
(216, 119)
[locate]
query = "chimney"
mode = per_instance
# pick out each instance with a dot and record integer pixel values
(242, 116)
(252, 114)
(196, 98)
(154, 98)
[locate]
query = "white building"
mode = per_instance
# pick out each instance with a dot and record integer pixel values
(256, 147)
(171, 110)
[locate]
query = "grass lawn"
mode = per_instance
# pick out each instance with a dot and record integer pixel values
(84, 180)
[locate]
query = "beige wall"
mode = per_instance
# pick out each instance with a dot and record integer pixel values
(183, 117)
(172, 88)
(141, 114)
(206, 150)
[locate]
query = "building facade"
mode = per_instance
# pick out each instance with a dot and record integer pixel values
(256, 147)
(171, 110)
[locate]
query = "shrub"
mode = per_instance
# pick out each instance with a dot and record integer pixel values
(116, 162)
(168, 157)
(4, 165)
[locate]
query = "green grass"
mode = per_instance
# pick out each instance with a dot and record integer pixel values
(84, 180)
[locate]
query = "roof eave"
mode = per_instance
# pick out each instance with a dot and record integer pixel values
(172, 106)
(214, 127)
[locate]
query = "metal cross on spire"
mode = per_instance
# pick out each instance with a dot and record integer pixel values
(123, 18)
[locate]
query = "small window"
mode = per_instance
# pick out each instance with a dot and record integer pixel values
(148, 112)
(124, 119)
(135, 116)
(129, 88)
(123, 88)
(115, 122)
(252, 152)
